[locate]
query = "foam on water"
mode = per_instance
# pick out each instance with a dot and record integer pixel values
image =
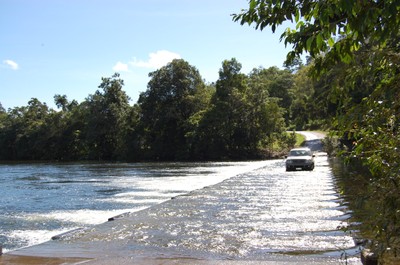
(86, 217)
(32, 237)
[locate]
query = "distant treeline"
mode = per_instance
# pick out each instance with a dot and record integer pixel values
(178, 117)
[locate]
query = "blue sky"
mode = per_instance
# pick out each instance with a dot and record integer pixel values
(50, 47)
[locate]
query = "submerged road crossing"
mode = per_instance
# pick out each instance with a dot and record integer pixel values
(265, 216)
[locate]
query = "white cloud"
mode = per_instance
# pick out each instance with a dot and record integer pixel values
(11, 64)
(121, 67)
(156, 59)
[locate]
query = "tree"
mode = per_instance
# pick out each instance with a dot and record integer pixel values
(166, 109)
(24, 134)
(131, 146)
(66, 127)
(3, 116)
(241, 119)
(6, 135)
(63, 103)
(280, 84)
(221, 132)
(266, 116)
(312, 106)
(105, 114)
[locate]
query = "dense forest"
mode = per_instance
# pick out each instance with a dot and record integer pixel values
(178, 117)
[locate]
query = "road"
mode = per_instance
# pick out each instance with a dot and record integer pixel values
(313, 139)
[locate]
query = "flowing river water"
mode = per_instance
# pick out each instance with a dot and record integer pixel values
(239, 211)
(41, 200)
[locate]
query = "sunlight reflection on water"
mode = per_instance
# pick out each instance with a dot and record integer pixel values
(41, 200)
(247, 217)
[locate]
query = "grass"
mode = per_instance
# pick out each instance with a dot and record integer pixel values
(300, 139)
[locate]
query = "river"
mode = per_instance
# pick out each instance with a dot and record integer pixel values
(41, 200)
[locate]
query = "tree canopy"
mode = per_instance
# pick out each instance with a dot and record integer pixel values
(178, 117)
(329, 31)
(166, 108)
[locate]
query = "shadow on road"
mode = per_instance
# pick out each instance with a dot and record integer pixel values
(315, 145)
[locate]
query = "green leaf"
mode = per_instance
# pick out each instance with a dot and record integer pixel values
(309, 43)
(331, 42)
(253, 4)
(346, 58)
(297, 16)
(320, 41)
(299, 24)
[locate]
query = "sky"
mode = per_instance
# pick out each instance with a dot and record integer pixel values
(65, 47)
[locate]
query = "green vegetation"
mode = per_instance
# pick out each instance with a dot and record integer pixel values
(355, 51)
(178, 117)
(300, 139)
